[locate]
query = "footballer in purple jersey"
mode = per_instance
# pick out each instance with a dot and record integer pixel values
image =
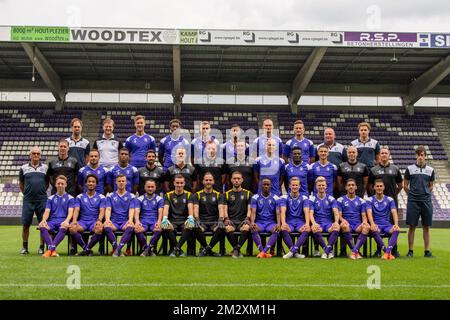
(119, 215)
(299, 141)
(259, 145)
(352, 214)
(294, 214)
(265, 217)
(199, 143)
(379, 209)
(88, 215)
(94, 168)
(126, 169)
(269, 166)
(168, 144)
(322, 168)
(297, 168)
(139, 143)
(148, 218)
(324, 215)
(57, 215)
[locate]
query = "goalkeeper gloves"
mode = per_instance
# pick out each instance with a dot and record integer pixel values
(165, 223)
(190, 222)
(220, 224)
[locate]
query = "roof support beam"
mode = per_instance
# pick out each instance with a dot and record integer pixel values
(47, 73)
(177, 97)
(425, 83)
(304, 76)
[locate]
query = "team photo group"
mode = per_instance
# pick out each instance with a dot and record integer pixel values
(206, 191)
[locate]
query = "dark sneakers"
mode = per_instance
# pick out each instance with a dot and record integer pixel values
(410, 254)
(24, 251)
(428, 254)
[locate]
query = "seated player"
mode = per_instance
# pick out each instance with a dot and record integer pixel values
(209, 217)
(352, 214)
(265, 217)
(57, 215)
(88, 215)
(379, 209)
(294, 210)
(148, 217)
(323, 208)
(178, 215)
(119, 214)
(236, 212)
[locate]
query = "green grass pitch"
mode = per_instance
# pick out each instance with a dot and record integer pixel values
(33, 277)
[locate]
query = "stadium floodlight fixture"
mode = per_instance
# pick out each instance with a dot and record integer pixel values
(394, 58)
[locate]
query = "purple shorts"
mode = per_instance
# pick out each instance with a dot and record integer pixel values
(148, 225)
(385, 228)
(119, 224)
(54, 224)
(266, 226)
(295, 225)
(354, 226)
(325, 226)
(87, 225)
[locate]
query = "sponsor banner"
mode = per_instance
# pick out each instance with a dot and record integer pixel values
(138, 36)
(5, 33)
(381, 39)
(440, 40)
(38, 34)
(188, 36)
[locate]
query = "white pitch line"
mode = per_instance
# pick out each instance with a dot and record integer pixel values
(234, 285)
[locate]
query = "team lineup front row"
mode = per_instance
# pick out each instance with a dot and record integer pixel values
(236, 214)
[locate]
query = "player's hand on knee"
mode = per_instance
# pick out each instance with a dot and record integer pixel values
(254, 227)
(305, 228)
(335, 227)
(98, 227)
(395, 228)
(344, 224)
(157, 227)
(108, 224)
(43, 224)
(374, 228)
(138, 228)
(316, 228)
(65, 225)
(276, 228)
(285, 227)
(245, 227)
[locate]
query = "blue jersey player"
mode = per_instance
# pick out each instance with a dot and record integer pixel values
(92, 167)
(126, 169)
(352, 214)
(270, 166)
(148, 217)
(299, 169)
(88, 215)
(324, 215)
(168, 145)
(379, 209)
(294, 214)
(57, 215)
(322, 168)
(307, 146)
(265, 217)
(139, 143)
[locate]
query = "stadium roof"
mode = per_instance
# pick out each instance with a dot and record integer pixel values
(399, 64)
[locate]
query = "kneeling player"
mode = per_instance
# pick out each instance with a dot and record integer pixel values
(119, 214)
(294, 209)
(236, 212)
(57, 215)
(265, 217)
(379, 209)
(323, 208)
(210, 218)
(178, 215)
(148, 217)
(352, 214)
(88, 215)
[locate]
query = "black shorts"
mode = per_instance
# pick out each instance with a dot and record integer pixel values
(30, 208)
(419, 209)
(208, 226)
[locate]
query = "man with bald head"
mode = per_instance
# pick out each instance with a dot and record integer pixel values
(259, 145)
(33, 184)
(336, 151)
(353, 169)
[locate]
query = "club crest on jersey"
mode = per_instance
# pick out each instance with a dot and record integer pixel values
(85, 200)
(214, 199)
(232, 197)
(145, 202)
(184, 200)
(242, 197)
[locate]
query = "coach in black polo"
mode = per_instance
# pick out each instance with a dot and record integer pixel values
(353, 169)
(33, 183)
(151, 172)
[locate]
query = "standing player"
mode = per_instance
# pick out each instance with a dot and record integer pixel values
(242, 164)
(139, 143)
(236, 212)
(419, 181)
(368, 148)
(151, 172)
(299, 169)
(126, 169)
(336, 151)
(57, 216)
(79, 147)
(66, 166)
(108, 146)
(270, 166)
(230, 148)
(259, 145)
(354, 170)
(178, 215)
(210, 218)
(168, 145)
(307, 146)
(88, 215)
(265, 217)
(322, 168)
(393, 184)
(379, 210)
(92, 167)
(149, 217)
(324, 214)
(181, 167)
(212, 164)
(294, 210)
(119, 215)
(199, 144)
(352, 214)
(33, 183)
